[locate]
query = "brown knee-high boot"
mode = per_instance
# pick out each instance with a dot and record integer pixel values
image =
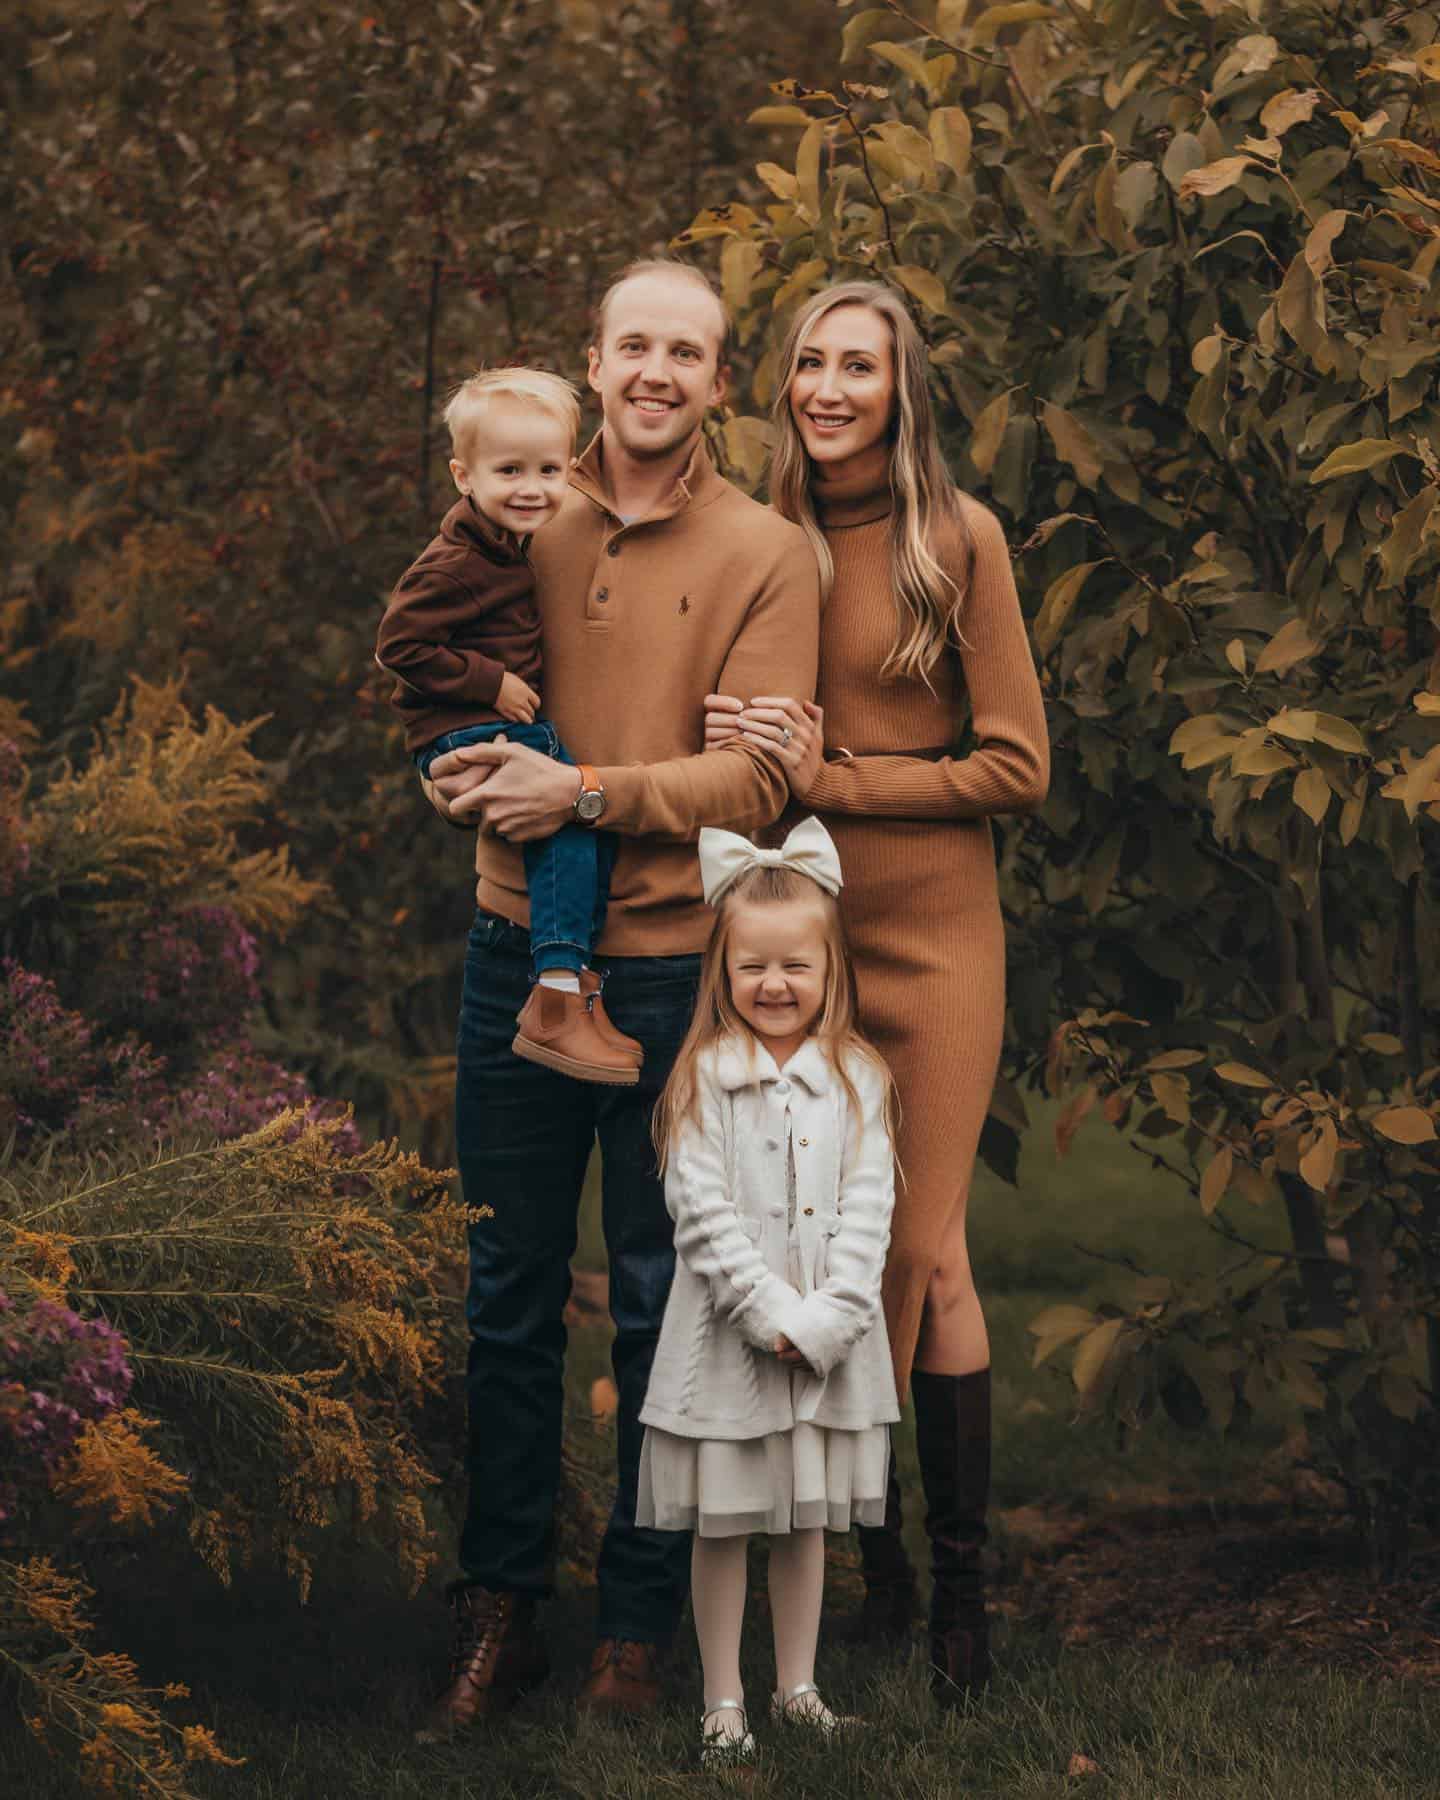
(889, 1574)
(952, 1438)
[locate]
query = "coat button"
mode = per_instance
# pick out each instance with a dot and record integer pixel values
(804, 1143)
(782, 1087)
(809, 1212)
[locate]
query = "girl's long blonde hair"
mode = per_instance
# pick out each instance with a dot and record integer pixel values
(929, 600)
(715, 1016)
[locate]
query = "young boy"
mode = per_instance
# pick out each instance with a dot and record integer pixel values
(461, 635)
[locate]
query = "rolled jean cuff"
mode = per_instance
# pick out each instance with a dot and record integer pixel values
(559, 955)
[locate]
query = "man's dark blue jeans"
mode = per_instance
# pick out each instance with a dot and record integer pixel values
(524, 1135)
(567, 875)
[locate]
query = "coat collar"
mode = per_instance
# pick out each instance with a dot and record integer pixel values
(745, 1062)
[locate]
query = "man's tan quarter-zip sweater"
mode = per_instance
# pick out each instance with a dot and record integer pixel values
(710, 592)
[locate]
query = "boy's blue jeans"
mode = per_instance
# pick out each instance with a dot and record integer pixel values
(567, 875)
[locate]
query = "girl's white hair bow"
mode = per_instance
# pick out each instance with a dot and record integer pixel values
(809, 850)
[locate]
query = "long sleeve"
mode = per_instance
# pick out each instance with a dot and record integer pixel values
(709, 1237)
(1009, 769)
(414, 642)
(740, 788)
(833, 1316)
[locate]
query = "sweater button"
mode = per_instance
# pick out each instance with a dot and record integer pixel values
(613, 547)
(602, 596)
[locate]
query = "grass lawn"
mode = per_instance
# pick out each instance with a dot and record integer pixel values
(321, 1700)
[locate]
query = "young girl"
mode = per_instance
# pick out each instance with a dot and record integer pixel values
(772, 1393)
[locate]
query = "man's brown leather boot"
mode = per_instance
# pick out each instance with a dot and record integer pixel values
(590, 984)
(498, 1655)
(559, 1030)
(624, 1678)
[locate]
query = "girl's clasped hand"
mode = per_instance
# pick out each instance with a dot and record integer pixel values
(774, 1134)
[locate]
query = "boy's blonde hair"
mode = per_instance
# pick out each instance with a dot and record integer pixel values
(469, 402)
(835, 1029)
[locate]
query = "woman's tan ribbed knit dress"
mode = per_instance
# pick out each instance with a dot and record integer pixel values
(919, 902)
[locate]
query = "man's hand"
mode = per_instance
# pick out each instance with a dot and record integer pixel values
(722, 719)
(518, 793)
(517, 701)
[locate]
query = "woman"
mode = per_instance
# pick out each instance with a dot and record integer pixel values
(921, 630)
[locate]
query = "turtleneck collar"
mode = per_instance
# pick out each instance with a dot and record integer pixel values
(858, 494)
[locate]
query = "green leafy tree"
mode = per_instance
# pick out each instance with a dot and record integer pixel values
(1175, 265)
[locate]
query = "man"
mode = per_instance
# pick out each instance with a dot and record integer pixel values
(658, 583)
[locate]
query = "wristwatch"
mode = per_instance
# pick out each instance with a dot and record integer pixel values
(590, 801)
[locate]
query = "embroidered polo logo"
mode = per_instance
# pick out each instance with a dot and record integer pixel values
(684, 605)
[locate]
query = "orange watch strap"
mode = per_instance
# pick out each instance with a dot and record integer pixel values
(589, 780)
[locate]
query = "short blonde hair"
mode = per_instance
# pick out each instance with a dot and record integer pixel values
(664, 265)
(469, 402)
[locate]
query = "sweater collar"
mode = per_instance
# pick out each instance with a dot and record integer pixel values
(698, 482)
(745, 1062)
(466, 524)
(858, 495)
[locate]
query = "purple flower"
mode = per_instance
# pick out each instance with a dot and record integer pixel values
(57, 1372)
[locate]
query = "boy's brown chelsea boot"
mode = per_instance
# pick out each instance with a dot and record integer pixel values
(560, 1031)
(590, 985)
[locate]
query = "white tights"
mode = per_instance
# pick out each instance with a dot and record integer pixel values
(717, 1591)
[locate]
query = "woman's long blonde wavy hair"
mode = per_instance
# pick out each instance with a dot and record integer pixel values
(929, 600)
(715, 1016)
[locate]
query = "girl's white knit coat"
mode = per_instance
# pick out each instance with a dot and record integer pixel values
(715, 1374)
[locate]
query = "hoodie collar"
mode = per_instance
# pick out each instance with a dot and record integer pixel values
(745, 1062)
(466, 524)
(697, 483)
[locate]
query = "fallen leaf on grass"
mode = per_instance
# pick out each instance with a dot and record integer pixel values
(1082, 1765)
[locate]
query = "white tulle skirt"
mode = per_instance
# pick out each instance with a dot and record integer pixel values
(788, 1481)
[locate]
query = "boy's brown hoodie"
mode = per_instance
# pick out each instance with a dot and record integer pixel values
(461, 616)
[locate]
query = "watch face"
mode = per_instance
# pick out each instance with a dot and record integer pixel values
(590, 803)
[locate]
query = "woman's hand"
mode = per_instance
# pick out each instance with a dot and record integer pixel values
(793, 731)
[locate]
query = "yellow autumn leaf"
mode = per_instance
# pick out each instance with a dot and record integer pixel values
(1091, 1356)
(924, 284)
(1405, 1125)
(1214, 177)
(1317, 1164)
(1216, 1179)
(1312, 794)
(1059, 602)
(988, 431)
(1242, 1075)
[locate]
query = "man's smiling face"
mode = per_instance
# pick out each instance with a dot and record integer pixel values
(656, 368)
